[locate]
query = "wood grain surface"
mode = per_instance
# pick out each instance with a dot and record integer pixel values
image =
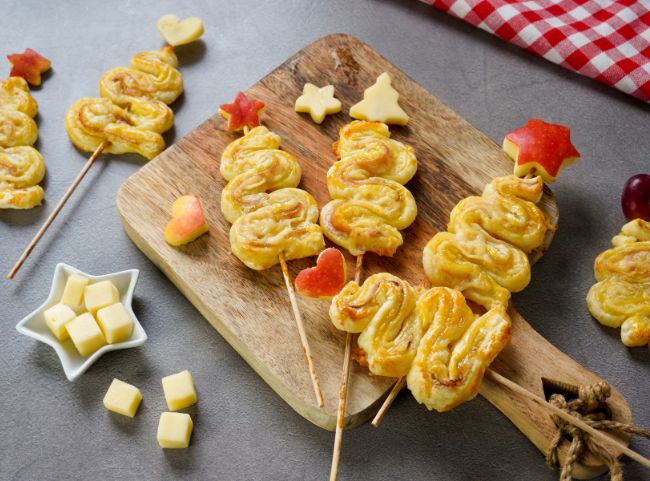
(251, 310)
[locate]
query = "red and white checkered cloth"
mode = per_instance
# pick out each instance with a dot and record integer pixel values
(602, 39)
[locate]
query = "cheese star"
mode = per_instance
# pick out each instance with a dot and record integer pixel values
(318, 102)
(28, 65)
(380, 104)
(540, 147)
(242, 112)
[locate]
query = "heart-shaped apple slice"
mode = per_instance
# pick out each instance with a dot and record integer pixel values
(180, 32)
(326, 279)
(188, 221)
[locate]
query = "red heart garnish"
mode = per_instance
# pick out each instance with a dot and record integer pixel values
(28, 65)
(326, 279)
(540, 147)
(242, 112)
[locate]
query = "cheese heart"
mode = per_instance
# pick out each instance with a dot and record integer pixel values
(180, 32)
(326, 279)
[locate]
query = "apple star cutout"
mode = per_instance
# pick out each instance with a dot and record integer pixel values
(326, 279)
(317, 102)
(380, 104)
(541, 148)
(28, 65)
(242, 112)
(74, 365)
(178, 32)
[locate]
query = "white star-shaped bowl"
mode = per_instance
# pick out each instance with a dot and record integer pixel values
(73, 363)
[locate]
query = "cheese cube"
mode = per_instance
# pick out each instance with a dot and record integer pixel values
(100, 295)
(56, 317)
(86, 335)
(73, 292)
(174, 430)
(179, 390)
(115, 322)
(122, 398)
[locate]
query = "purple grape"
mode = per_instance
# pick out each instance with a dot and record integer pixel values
(636, 197)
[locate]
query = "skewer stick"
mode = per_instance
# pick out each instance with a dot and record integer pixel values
(397, 387)
(301, 330)
(30, 247)
(498, 378)
(343, 389)
(579, 423)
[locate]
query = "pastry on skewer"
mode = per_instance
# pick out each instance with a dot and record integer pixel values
(21, 166)
(369, 208)
(370, 203)
(272, 220)
(430, 336)
(621, 297)
(129, 116)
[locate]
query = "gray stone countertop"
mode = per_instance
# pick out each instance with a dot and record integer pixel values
(52, 429)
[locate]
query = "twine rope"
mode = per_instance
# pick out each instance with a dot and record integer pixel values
(590, 406)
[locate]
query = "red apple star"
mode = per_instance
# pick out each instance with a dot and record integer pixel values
(242, 112)
(540, 147)
(28, 65)
(326, 279)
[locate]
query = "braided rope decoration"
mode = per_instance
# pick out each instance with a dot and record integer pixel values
(590, 405)
(432, 337)
(132, 112)
(270, 216)
(21, 166)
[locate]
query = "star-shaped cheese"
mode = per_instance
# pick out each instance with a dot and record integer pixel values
(242, 112)
(540, 147)
(28, 65)
(318, 102)
(380, 104)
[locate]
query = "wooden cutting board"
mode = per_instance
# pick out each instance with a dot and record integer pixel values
(251, 309)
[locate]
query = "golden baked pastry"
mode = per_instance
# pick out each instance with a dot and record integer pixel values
(267, 224)
(16, 129)
(370, 203)
(252, 165)
(455, 350)
(132, 112)
(152, 76)
(382, 311)
(431, 337)
(484, 254)
(21, 166)
(14, 95)
(136, 128)
(621, 297)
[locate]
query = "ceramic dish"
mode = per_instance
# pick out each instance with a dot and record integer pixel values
(73, 363)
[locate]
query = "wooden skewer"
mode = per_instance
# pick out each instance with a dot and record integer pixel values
(301, 330)
(397, 387)
(343, 389)
(496, 377)
(579, 423)
(30, 247)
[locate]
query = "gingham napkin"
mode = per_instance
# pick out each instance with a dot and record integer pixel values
(605, 40)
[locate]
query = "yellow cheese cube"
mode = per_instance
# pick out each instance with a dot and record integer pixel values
(73, 292)
(56, 317)
(179, 390)
(122, 398)
(86, 335)
(100, 295)
(115, 322)
(174, 430)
